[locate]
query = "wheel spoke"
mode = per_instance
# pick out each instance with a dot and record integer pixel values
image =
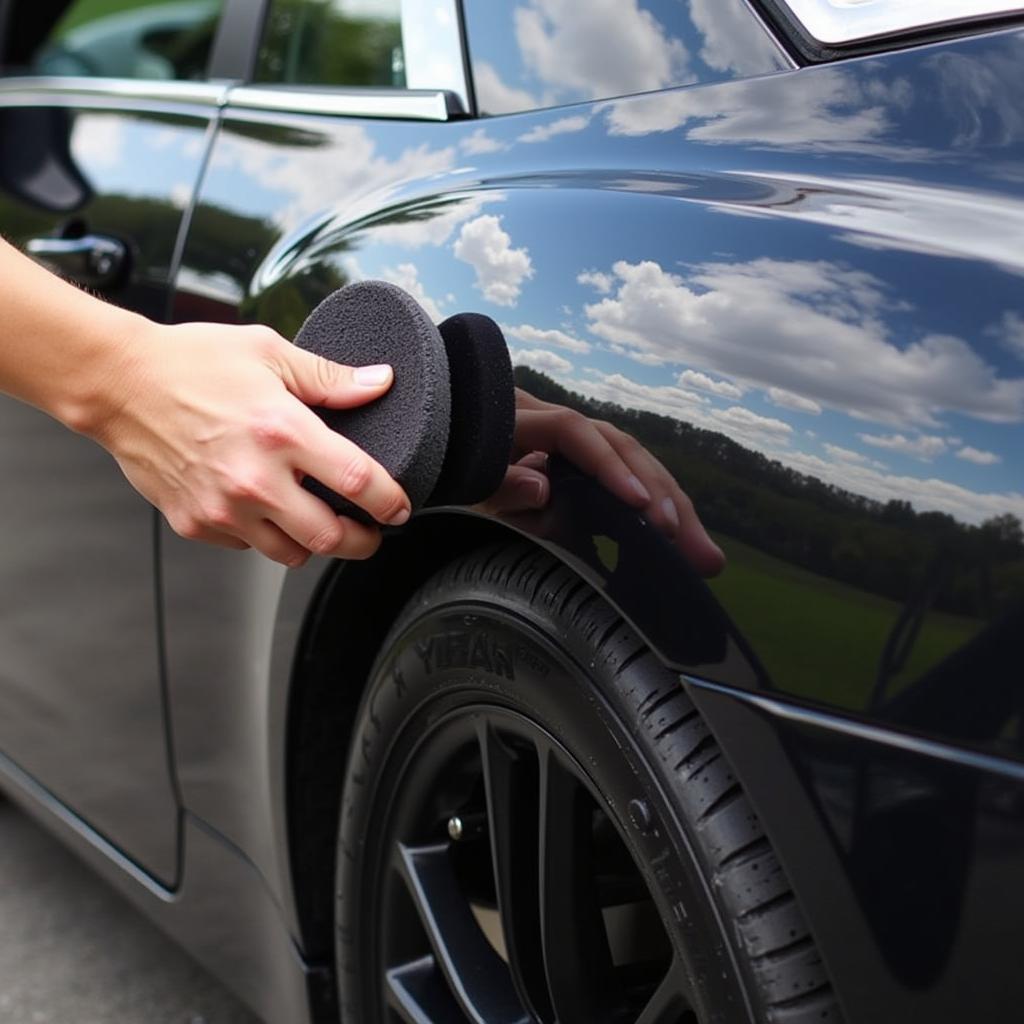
(577, 959)
(418, 994)
(670, 999)
(477, 976)
(511, 786)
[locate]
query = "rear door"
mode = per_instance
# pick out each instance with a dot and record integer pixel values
(104, 118)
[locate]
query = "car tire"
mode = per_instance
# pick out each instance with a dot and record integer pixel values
(537, 824)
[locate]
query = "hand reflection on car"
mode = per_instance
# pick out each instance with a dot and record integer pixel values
(615, 459)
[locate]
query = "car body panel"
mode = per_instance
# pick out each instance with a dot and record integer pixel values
(802, 293)
(907, 855)
(861, 205)
(81, 700)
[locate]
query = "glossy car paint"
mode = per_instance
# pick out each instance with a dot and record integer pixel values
(796, 262)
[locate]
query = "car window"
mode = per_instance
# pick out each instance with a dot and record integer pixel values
(151, 39)
(333, 42)
(528, 54)
(835, 22)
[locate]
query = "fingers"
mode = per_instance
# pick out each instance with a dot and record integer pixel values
(301, 527)
(322, 382)
(576, 437)
(669, 508)
(314, 527)
(347, 470)
(208, 535)
(329, 457)
(272, 541)
(524, 489)
(622, 465)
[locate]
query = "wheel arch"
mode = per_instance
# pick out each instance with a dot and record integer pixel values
(326, 685)
(643, 579)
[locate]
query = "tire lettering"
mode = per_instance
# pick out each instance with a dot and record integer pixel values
(458, 649)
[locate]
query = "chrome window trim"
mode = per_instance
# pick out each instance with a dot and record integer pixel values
(432, 47)
(838, 22)
(398, 104)
(40, 90)
(772, 34)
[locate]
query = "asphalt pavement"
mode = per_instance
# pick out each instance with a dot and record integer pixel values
(72, 951)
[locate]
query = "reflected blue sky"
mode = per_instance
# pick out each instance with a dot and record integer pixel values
(879, 382)
(138, 156)
(541, 53)
(791, 266)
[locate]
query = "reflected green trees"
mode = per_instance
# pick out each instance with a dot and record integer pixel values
(322, 42)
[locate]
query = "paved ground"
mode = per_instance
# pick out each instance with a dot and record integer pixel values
(72, 951)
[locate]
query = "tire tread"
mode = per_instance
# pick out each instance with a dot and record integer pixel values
(755, 898)
(745, 872)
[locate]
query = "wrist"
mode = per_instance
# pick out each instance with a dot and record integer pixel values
(101, 385)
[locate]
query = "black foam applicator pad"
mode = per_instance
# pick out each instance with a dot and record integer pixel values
(483, 413)
(406, 430)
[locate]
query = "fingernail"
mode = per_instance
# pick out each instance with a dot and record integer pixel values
(372, 376)
(532, 490)
(400, 518)
(668, 506)
(638, 487)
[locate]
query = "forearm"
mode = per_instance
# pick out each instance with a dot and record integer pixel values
(61, 349)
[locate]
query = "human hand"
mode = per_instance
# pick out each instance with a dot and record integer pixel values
(615, 459)
(211, 425)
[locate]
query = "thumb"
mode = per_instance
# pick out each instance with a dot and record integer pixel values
(319, 381)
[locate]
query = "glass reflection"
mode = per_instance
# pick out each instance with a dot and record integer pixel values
(332, 42)
(150, 39)
(566, 52)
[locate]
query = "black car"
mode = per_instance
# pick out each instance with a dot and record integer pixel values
(535, 767)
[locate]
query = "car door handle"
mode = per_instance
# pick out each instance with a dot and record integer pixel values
(93, 260)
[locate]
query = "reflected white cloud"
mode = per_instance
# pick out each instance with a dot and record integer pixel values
(924, 447)
(844, 468)
(98, 140)
(435, 229)
(540, 359)
(811, 329)
(841, 454)
(825, 110)
(479, 142)
(494, 96)
(598, 48)
(180, 194)
(731, 42)
(500, 268)
(978, 457)
(748, 426)
(926, 495)
(615, 387)
(563, 126)
(975, 96)
(796, 403)
(602, 282)
(541, 336)
(702, 382)
(350, 167)
(1010, 331)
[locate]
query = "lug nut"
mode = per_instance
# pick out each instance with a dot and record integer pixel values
(466, 826)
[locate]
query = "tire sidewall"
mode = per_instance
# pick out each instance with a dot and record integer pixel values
(476, 647)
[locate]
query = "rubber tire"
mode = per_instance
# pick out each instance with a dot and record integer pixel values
(580, 668)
